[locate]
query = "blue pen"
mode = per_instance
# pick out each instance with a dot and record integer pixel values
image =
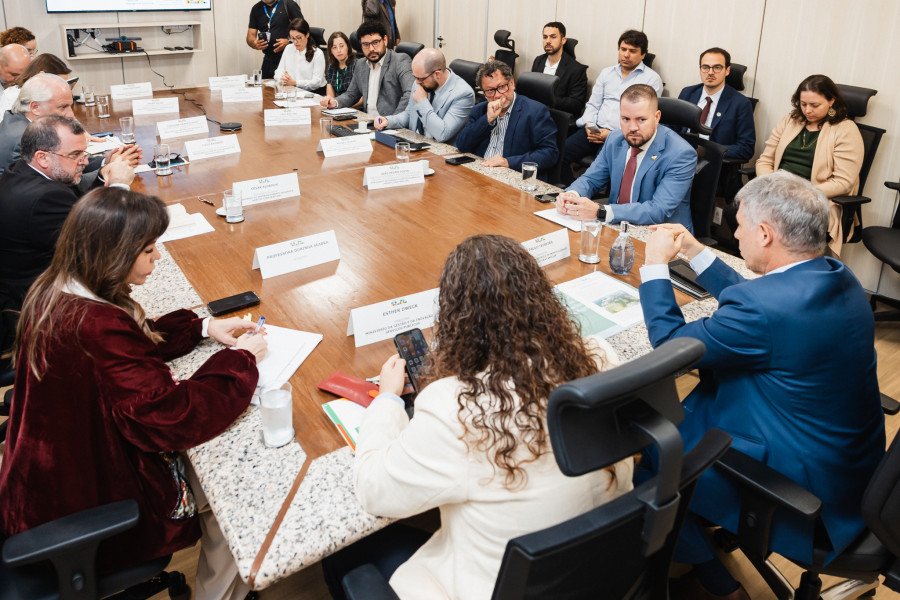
(259, 324)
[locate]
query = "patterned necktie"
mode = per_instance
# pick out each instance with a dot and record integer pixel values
(628, 177)
(704, 114)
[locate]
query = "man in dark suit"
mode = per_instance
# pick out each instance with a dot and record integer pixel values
(571, 91)
(649, 169)
(508, 129)
(36, 194)
(727, 111)
(789, 370)
(392, 70)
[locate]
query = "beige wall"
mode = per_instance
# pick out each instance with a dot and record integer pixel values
(780, 41)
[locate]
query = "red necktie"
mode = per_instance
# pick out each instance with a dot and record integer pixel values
(704, 114)
(628, 177)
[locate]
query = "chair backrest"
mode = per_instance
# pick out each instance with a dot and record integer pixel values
(318, 36)
(562, 119)
(735, 77)
(856, 98)
(540, 87)
(354, 42)
(621, 549)
(468, 70)
(409, 48)
(507, 52)
(706, 180)
(648, 59)
(881, 501)
(681, 114)
(871, 140)
(569, 46)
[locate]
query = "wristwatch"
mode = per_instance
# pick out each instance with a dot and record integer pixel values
(601, 213)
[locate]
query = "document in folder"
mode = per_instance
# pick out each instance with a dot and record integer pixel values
(287, 349)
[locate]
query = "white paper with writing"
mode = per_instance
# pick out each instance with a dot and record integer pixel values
(210, 147)
(182, 127)
(267, 189)
(299, 102)
(352, 144)
(293, 255)
(393, 175)
(550, 247)
(384, 320)
(131, 90)
(287, 116)
(551, 214)
(227, 81)
(110, 142)
(601, 305)
(154, 106)
(244, 94)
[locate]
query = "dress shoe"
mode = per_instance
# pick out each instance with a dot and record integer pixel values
(688, 588)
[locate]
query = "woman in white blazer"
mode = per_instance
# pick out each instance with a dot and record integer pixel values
(302, 64)
(477, 447)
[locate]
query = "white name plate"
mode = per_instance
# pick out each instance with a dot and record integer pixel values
(227, 81)
(131, 90)
(242, 94)
(383, 320)
(394, 175)
(182, 127)
(287, 116)
(210, 147)
(352, 144)
(267, 189)
(549, 248)
(154, 106)
(293, 255)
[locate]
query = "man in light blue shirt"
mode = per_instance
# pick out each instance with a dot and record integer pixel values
(601, 114)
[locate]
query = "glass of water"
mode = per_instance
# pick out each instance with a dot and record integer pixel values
(89, 97)
(590, 242)
(103, 106)
(280, 92)
(234, 207)
(529, 176)
(257, 77)
(275, 411)
(126, 124)
(162, 159)
(402, 151)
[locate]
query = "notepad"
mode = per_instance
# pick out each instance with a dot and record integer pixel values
(183, 225)
(347, 416)
(333, 112)
(287, 349)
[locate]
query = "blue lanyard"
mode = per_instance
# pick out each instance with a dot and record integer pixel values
(271, 14)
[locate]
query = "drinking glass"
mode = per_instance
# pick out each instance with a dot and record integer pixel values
(325, 127)
(162, 158)
(103, 106)
(590, 242)
(402, 151)
(89, 97)
(234, 207)
(529, 176)
(126, 124)
(275, 411)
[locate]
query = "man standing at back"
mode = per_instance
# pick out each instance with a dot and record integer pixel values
(601, 114)
(571, 91)
(789, 371)
(383, 81)
(386, 12)
(268, 30)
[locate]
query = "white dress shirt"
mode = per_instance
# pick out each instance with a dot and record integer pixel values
(374, 86)
(712, 107)
(308, 75)
(603, 106)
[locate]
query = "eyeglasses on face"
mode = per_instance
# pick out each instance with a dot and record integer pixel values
(75, 155)
(500, 89)
(422, 79)
(297, 38)
(372, 44)
(714, 68)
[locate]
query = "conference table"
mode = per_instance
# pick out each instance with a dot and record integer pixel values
(283, 509)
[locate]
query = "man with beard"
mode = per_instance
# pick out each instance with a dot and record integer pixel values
(572, 91)
(439, 103)
(648, 167)
(383, 81)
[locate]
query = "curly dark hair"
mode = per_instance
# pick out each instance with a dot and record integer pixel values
(503, 332)
(825, 87)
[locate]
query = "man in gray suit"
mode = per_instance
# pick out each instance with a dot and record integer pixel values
(383, 80)
(439, 103)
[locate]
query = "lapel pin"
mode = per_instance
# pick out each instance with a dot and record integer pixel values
(654, 157)
(718, 114)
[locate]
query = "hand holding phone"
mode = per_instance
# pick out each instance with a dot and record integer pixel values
(413, 349)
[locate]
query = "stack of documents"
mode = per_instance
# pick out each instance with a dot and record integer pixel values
(287, 349)
(183, 225)
(333, 112)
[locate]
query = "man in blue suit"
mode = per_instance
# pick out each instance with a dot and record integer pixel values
(728, 112)
(648, 167)
(789, 370)
(508, 129)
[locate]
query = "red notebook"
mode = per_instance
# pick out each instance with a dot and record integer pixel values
(349, 387)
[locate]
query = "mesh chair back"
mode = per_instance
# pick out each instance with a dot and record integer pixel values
(409, 48)
(507, 52)
(871, 140)
(706, 179)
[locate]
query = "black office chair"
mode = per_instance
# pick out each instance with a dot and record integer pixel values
(56, 560)
(507, 52)
(318, 36)
(767, 494)
(468, 70)
(884, 244)
(541, 87)
(354, 42)
(569, 46)
(735, 79)
(648, 59)
(622, 549)
(409, 48)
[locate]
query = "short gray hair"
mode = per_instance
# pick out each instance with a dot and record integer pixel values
(491, 67)
(792, 205)
(43, 134)
(39, 88)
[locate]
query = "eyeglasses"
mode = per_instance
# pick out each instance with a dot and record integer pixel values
(422, 79)
(298, 38)
(375, 44)
(714, 68)
(76, 155)
(500, 89)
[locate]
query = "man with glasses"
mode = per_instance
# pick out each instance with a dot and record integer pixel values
(439, 103)
(508, 129)
(268, 30)
(36, 195)
(14, 59)
(724, 109)
(383, 81)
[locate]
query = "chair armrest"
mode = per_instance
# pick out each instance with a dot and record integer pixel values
(68, 534)
(889, 406)
(894, 185)
(733, 161)
(851, 201)
(366, 583)
(768, 483)
(749, 171)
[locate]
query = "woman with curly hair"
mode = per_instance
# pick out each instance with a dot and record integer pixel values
(477, 447)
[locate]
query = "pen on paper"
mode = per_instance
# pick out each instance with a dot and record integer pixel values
(259, 324)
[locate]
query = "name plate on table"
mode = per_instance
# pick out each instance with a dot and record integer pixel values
(293, 255)
(210, 147)
(551, 214)
(384, 320)
(154, 106)
(549, 248)
(227, 81)
(245, 94)
(395, 175)
(266, 189)
(131, 90)
(287, 116)
(182, 127)
(352, 144)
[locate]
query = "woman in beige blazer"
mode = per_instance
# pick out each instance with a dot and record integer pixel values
(478, 447)
(818, 127)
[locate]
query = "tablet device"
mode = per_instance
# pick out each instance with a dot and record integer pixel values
(685, 279)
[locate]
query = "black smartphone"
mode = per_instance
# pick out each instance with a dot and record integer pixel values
(546, 198)
(261, 35)
(459, 160)
(343, 118)
(413, 348)
(685, 279)
(232, 303)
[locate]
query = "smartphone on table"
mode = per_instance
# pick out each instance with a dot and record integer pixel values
(459, 160)
(232, 303)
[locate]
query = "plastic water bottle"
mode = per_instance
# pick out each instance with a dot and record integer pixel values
(621, 255)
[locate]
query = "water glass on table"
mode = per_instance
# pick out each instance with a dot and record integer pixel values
(162, 159)
(325, 127)
(89, 97)
(233, 205)
(126, 125)
(275, 411)
(529, 176)
(590, 242)
(402, 151)
(103, 106)
(280, 93)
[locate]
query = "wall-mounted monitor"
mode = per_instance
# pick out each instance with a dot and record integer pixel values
(71, 6)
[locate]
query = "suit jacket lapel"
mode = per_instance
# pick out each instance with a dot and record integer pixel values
(514, 114)
(721, 107)
(655, 149)
(617, 169)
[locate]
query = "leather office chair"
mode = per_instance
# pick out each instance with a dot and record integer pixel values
(735, 79)
(354, 43)
(649, 58)
(409, 48)
(680, 115)
(766, 494)
(468, 70)
(622, 549)
(884, 244)
(56, 560)
(318, 37)
(507, 52)
(569, 46)
(541, 87)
